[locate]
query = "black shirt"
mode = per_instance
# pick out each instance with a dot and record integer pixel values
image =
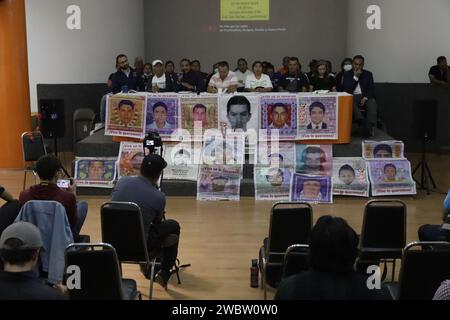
(194, 79)
(132, 81)
(438, 73)
(25, 286)
(315, 285)
(294, 82)
(323, 83)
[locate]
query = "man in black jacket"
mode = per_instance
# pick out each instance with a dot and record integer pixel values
(360, 84)
(126, 78)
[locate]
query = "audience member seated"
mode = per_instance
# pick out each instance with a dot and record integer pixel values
(109, 83)
(48, 169)
(196, 67)
(321, 79)
(359, 82)
(258, 81)
(242, 73)
(224, 79)
(443, 292)
(190, 80)
(274, 76)
(440, 73)
(20, 244)
(147, 75)
(284, 66)
(312, 68)
(294, 80)
(126, 78)
(170, 68)
(438, 232)
(346, 65)
(333, 250)
(9, 210)
(161, 81)
(139, 65)
(161, 234)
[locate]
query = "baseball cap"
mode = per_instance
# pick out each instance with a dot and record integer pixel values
(153, 164)
(27, 233)
(155, 62)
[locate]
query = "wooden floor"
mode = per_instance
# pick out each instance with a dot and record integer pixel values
(219, 239)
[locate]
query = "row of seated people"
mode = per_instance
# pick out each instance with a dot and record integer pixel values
(331, 238)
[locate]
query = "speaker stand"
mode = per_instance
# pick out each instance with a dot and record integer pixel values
(425, 173)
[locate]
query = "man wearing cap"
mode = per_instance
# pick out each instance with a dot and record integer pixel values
(20, 244)
(126, 78)
(161, 81)
(161, 234)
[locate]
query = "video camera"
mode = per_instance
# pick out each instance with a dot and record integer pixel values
(153, 144)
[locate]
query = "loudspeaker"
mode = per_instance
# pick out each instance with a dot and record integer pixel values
(52, 118)
(425, 118)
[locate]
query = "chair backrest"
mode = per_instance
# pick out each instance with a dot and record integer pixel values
(99, 269)
(33, 146)
(82, 123)
(384, 225)
(424, 266)
(296, 260)
(290, 223)
(51, 219)
(122, 227)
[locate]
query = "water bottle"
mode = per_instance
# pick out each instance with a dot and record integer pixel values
(254, 274)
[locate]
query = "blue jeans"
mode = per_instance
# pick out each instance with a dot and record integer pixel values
(82, 209)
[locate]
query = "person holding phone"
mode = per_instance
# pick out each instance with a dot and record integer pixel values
(48, 168)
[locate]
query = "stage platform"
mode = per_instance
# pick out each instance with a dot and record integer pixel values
(99, 145)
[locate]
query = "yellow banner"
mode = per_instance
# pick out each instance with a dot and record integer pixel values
(244, 10)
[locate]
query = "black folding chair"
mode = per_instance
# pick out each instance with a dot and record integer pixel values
(290, 223)
(383, 234)
(424, 266)
(33, 148)
(100, 273)
(296, 260)
(82, 124)
(122, 227)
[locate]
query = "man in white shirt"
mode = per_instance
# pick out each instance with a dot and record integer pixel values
(242, 73)
(224, 79)
(159, 78)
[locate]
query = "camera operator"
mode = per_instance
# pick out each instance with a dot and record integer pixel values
(162, 235)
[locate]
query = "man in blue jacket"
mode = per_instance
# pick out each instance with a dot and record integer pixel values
(360, 84)
(126, 78)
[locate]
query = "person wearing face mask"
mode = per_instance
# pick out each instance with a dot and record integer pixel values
(346, 66)
(359, 82)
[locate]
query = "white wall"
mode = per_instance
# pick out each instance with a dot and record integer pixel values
(57, 55)
(414, 33)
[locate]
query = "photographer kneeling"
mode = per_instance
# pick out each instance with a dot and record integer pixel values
(161, 234)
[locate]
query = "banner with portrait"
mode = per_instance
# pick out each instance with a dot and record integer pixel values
(314, 159)
(383, 149)
(198, 113)
(95, 172)
(276, 154)
(220, 150)
(163, 115)
(183, 161)
(278, 117)
(350, 177)
(130, 159)
(218, 182)
(125, 115)
(318, 117)
(272, 183)
(311, 189)
(239, 113)
(391, 177)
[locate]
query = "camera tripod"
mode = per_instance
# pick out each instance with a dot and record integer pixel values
(425, 173)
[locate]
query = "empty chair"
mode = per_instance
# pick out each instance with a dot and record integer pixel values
(290, 223)
(33, 148)
(383, 234)
(422, 271)
(296, 260)
(82, 124)
(101, 276)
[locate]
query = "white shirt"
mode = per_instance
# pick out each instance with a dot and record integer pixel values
(159, 82)
(358, 88)
(242, 77)
(253, 83)
(127, 72)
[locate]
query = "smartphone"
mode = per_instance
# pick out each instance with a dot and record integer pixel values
(63, 184)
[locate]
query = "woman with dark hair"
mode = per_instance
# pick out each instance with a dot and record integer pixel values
(321, 79)
(333, 250)
(258, 81)
(346, 66)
